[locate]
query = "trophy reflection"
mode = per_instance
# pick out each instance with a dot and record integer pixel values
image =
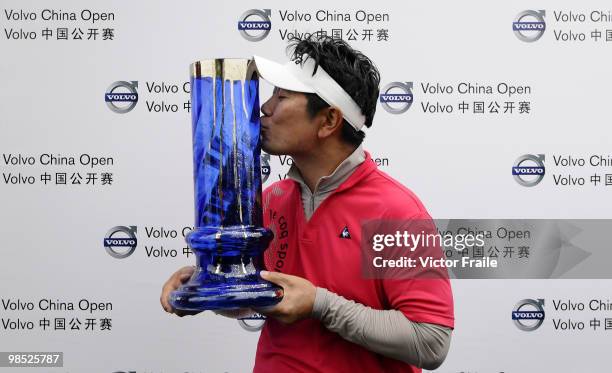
(229, 237)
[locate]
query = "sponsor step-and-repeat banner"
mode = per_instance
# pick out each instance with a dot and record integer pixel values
(497, 117)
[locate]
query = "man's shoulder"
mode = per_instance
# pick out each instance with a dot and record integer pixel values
(396, 197)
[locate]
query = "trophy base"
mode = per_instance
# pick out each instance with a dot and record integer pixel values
(226, 274)
(253, 294)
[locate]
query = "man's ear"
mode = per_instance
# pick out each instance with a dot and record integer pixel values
(331, 121)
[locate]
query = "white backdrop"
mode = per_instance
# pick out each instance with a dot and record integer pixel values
(459, 164)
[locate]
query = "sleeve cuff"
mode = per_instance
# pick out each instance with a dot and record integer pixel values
(321, 303)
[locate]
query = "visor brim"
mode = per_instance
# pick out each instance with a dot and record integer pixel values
(280, 75)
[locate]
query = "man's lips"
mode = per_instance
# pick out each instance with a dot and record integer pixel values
(264, 127)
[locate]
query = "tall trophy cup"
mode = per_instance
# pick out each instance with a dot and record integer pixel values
(228, 238)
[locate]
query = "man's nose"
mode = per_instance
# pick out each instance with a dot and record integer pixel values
(267, 107)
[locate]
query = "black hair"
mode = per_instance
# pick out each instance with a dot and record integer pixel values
(351, 69)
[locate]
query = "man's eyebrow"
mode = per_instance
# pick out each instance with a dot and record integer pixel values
(285, 91)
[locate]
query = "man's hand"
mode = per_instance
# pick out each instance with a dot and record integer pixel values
(298, 298)
(174, 282)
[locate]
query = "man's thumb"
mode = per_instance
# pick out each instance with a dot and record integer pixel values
(274, 277)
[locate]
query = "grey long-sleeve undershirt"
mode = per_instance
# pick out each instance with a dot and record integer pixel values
(387, 332)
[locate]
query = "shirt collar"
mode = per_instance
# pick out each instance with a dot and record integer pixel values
(340, 174)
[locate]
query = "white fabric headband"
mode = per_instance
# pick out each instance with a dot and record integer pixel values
(298, 77)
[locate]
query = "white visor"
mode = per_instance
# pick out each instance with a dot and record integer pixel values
(298, 77)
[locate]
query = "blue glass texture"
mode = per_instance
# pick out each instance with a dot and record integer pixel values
(228, 239)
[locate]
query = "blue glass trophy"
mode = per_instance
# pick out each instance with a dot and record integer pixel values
(229, 238)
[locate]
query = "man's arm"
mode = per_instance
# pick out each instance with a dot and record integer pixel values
(387, 332)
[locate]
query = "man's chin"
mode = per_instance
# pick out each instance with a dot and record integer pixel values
(269, 150)
(272, 150)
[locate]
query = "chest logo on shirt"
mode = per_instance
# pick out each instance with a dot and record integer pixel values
(345, 233)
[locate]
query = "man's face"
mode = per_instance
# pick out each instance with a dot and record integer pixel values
(286, 127)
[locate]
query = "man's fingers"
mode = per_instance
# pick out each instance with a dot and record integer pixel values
(184, 277)
(187, 271)
(270, 311)
(164, 302)
(235, 313)
(280, 279)
(179, 277)
(164, 297)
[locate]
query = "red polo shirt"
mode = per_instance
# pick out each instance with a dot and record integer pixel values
(316, 250)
